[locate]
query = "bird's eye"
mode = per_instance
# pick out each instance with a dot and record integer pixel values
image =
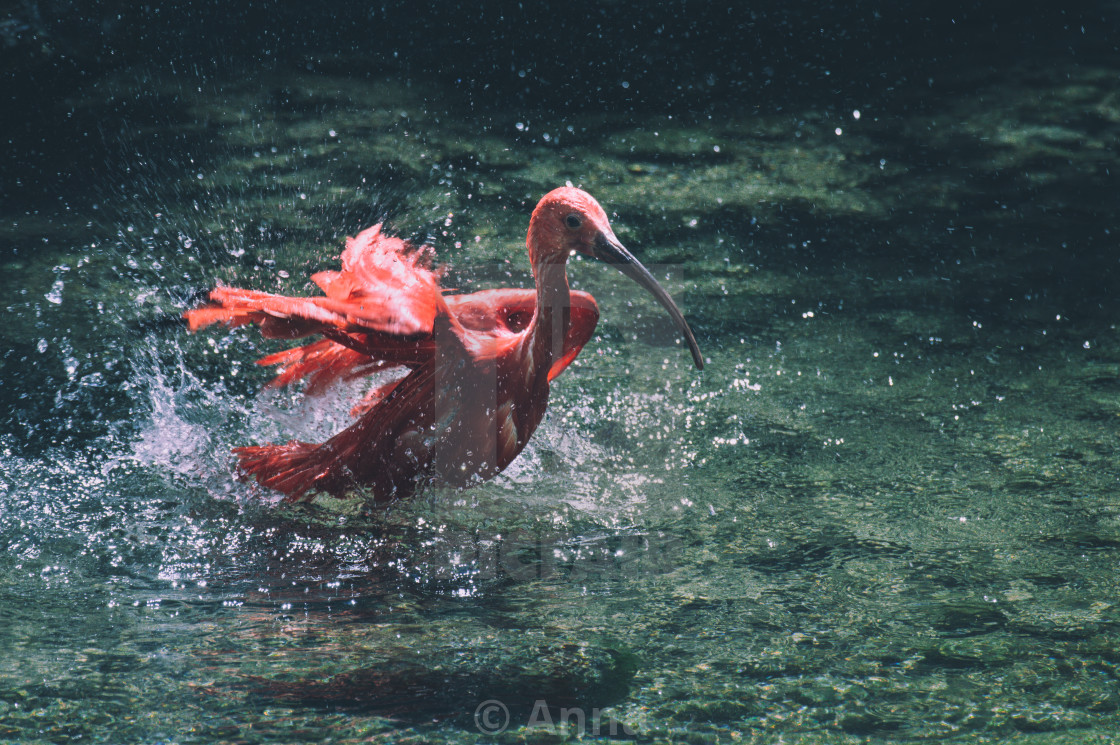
(573, 221)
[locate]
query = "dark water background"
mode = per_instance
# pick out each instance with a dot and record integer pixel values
(886, 511)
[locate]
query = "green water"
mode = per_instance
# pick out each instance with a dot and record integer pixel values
(886, 510)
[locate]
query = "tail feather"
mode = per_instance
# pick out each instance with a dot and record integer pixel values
(290, 469)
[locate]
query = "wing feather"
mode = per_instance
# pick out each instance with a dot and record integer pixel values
(508, 311)
(385, 285)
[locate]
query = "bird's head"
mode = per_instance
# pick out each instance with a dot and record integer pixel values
(568, 221)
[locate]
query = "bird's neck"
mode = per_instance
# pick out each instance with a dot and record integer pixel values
(550, 321)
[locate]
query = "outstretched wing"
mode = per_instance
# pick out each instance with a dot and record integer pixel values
(386, 285)
(511, 310)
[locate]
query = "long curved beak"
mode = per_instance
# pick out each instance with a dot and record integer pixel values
(608, 248)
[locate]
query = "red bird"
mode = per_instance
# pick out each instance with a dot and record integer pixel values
(479, 365)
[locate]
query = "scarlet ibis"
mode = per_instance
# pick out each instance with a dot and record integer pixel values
(477, 367)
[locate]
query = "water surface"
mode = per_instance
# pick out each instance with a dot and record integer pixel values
(885, 510)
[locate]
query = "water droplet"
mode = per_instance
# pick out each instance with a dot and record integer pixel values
(55, 294)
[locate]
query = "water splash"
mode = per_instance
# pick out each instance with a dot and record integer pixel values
(54, 295)
(185, 420)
